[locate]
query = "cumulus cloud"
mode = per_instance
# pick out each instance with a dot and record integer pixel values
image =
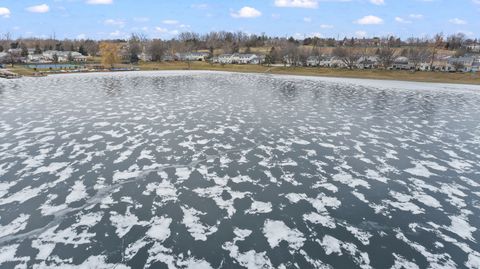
(377, 2)
(4, 12)
(114, 22)
(44, 8)
(416, 16)
(402, 20)
(297, 3)
(99, 2)
(457, 21)
(246, 12)
(326, 26)
(369, 20)
(165, 31)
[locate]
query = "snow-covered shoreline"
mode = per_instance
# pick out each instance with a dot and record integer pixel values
(366, 82)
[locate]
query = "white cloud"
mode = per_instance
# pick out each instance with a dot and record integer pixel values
(307, 19)
(416, 16)
(165, 31)
(171, 22)
(377, 2)
(246, 12)
(81, 36)
(99, 2)
(161, 30)
(402, 20)
(370, 19)
(114, 22)
(457, 21)
(44, 8)
(117, 33)
(4, 12)
(326, 26)
(297, 3)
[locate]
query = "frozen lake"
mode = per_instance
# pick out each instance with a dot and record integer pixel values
(217, 170)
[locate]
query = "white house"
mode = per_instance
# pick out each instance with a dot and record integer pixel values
(193, 56)
(244, 58)
(64, 56)
(401, 63)
(474, 48)
(313, 60)
(367, 62)
(463, 64)
(225, 59)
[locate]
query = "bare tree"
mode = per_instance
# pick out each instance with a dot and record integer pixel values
(458, 65)
(436, 44)
(456, 41)
(348, 55)
(157, 50)
(417, 53)
(135, 47)
(386, 56)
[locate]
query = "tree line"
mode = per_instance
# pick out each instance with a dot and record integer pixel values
(279, 49)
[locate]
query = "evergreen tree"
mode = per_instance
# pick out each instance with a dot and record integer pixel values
(38, 50)
(24, 52)
(82, 51)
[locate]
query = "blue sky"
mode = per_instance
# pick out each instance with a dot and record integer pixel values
(165, 18)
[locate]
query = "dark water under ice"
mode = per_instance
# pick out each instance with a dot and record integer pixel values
(217, 170)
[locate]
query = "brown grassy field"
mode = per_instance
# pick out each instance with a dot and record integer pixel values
(462, 78)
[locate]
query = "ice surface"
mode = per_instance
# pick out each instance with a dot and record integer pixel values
(220, 170)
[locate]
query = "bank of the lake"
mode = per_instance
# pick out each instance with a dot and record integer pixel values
(437, 77)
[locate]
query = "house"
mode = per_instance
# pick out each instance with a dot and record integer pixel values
(193, 56)
(474, 48)
(168, 58)
(225, 59)
(332, 62)
(313, 61)
(476, 65)
(15, 51)
(401, 63)
(239, 58)
(37, 58)
(460, 64)
(4, 56)
(424, 67)
(64, 56)
(367, 62)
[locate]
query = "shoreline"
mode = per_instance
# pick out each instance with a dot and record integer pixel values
(377, 75)
(366, 82)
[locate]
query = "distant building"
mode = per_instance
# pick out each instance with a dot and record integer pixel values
(62, 56)
(193, 56)
(313, 61)
(245, 58)
(474, 47)
(401, 63)
(367, 62)
(225, 59)
(238, 58)
(460, 64)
